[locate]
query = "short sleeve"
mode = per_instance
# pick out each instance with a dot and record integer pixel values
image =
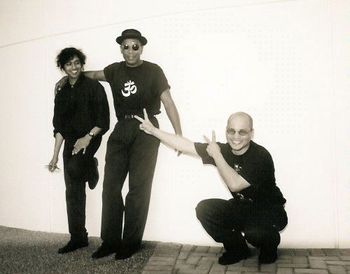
(108, 71)
(160, 83)
(201, 149)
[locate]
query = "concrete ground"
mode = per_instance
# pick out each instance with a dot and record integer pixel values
(190, 259)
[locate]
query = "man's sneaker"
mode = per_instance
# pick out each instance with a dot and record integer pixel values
(94, 175)
(232, 257)
(73, 245)
(268, 255)
(103, 251)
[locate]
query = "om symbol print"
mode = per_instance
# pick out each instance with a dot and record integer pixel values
(129, 88)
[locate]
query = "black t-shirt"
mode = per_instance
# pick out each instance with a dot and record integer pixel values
(135, 88)
(80, 108)
(255, 166)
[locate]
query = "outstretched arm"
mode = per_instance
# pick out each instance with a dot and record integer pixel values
(98, 75)
(171, 111)
(232, 179)
(175, 141)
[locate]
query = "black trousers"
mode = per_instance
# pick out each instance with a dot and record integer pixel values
(77, 169)
(236, 221)
(131, 152)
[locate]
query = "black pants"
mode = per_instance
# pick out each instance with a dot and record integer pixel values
(227, 221)
(77, 169)
(131, 152)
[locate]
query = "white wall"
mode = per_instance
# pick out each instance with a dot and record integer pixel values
(285, 62)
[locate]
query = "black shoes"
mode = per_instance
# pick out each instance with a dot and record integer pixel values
(268, 255)
(94, 175)
(103, 251)
(73, 245)
(125, 253)
(232, 257)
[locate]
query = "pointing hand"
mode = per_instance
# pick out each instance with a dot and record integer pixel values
(145, 125)
(213, 148)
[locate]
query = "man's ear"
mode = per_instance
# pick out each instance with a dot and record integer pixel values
(252, 134)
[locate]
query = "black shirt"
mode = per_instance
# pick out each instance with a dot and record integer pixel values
(135, 88)
(81, 107)
(255, 166)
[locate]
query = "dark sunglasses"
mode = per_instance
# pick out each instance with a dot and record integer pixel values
(134, 47)
(241, 132)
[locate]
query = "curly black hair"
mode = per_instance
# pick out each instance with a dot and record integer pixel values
(67, 54)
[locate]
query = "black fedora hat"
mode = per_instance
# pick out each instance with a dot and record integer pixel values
(131, 33)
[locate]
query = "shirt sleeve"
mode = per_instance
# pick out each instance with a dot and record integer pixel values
(57, 119)
(108, 71)
(160, 81)
(201, 149)
(102, 108)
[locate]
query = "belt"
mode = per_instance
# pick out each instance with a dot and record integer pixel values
(132, 116)
(239, 196)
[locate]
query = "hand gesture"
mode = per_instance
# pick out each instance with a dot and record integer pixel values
(213, 148)
(81, 144)
(145, 125)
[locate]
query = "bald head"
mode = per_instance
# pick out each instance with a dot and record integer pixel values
(241, 118)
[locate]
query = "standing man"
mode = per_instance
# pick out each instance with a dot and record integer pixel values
(256, 213)
(81, 117)
(136, 85)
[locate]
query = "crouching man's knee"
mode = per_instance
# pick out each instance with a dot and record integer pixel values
(262, 237)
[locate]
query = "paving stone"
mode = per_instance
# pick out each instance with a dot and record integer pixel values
(317, 252)
(285, 251)
(338, 262)
(215, 249)
(242, 268)
(325, 258)
(301, 252)
(171, 258)
(269, 268)
(218, 267)
(204, 267)
(331, 252)
(193, 259)
(315, 263)
(293, 265)
(284, 270)
(187, 248)
(217, 272)
(162, 260)
(158, 267)
(183, 255)
(310, 271)
(344, 251)
(201, 249)
(206, 260)
(336, 269)
(300, 260)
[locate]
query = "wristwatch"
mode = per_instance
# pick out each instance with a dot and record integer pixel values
(91, 134)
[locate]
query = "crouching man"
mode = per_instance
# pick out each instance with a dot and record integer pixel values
(256, 212)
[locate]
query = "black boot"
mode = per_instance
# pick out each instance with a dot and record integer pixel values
(127, 252)
(232, 257)
(103, 251)
(268, 255)
(73, 245)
